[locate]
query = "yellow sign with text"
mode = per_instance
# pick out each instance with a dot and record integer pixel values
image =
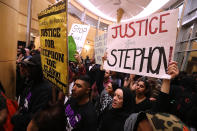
(53, 40)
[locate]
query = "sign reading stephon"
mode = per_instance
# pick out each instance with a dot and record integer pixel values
(143, 46)
(53, 34)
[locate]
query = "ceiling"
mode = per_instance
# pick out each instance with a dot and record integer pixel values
(107, 9)
(131, 7)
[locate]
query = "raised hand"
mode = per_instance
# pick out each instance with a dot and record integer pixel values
(173, 70)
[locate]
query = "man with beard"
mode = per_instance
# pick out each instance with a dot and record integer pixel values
(80, 112)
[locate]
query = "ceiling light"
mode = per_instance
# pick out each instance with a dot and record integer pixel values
(152, 7)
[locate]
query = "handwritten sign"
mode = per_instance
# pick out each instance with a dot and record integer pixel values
(100, 48)
(54, 58)
(79, 33)
(143, 46)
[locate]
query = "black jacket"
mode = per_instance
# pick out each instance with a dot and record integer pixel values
(114, 119)
(80, 117)
(33, 99)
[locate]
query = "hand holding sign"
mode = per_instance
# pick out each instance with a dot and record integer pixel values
(104, 58)
(78, 58)
(173, 70)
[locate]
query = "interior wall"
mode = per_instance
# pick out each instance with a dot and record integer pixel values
(8, 37)
(37, 7)
(13, 14)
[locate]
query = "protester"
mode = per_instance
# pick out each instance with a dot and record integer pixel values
(153, 122)
(80, 112)
(142, 94)
(31, 47)
(20, 54)
(150, 121)
(106, 94)
(114, 119)
(87, 63)
(50, 119)
(8, 108)
(130, 80)
(116, 78)
(3, 110)
(155, 85)
(184, 100)
(27, 54)
(75, 70)
(106, 97)
(36, 95)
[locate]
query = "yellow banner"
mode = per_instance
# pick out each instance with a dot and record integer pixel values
(53, 40)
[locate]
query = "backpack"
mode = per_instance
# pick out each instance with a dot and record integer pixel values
(12, 107)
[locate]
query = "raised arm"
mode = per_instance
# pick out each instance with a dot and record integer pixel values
(173, 71)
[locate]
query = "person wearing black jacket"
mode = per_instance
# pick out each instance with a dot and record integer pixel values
(142, 92)
(139, 121)
(3, 110)
(184, 100)
(80, 112)
(36, 95)
(114, 119)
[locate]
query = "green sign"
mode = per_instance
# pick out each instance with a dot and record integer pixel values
(72, 48)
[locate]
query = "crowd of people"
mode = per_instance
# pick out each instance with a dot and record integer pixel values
(98, 99)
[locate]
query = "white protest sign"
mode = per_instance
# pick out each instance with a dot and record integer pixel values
(143, 46)
(100, 48)
(79, 33)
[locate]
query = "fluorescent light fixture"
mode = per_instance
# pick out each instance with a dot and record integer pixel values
(152, 7)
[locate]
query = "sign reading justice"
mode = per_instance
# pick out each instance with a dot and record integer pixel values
(54, 54)
(143, 46)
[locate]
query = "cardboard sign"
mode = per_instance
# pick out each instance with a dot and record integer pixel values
(53, 39)
(79, 33)
(72, 48)
(143, 46)
(100, 48)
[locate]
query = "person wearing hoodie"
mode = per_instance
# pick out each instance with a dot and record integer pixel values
(36, 95)
(114, 119)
